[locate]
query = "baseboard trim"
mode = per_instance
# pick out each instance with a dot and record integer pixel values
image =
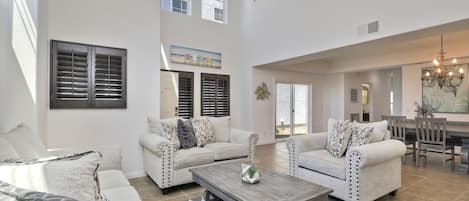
(135, 174)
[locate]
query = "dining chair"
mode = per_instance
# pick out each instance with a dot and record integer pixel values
(431, 136)
(397, 128)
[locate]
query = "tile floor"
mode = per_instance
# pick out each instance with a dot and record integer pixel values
(432, 183)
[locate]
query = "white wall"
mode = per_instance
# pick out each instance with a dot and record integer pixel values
(18, 22)
(412, 91)
(279, 29)
(134, 25)
(380, 88)
(325, 101)
(194, 32)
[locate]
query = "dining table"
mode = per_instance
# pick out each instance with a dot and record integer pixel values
(456, 130)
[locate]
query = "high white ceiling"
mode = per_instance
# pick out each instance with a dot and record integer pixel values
(414, 47)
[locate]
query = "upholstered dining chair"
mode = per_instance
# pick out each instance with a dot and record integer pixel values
(431, 136)
(397, 128)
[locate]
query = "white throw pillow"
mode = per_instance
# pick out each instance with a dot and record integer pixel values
(203, 130)
(26, 144)
(72, 176)
(379, 130)
(166, 128)
(221, 128)
(7, 151)
(361, 135)
(338, 136)
(169, 131)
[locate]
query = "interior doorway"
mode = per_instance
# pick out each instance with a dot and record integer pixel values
(365, 102)
(292, 109)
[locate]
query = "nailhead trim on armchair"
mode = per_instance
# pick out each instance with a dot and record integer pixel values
(353, 178)
(167, 165)
(292, 157)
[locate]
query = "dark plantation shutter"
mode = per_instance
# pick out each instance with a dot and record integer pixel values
(70, 86)
(215, 94)
(87, 76)
(186, 95)
(223, 97)
(109, 78)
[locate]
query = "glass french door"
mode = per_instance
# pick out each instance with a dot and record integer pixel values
(292, 110)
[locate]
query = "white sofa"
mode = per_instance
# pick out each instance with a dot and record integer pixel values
(113, 184)
(366, 173)
(112, 181)
(169, 168)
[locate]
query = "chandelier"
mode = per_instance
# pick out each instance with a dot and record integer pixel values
(441, 74)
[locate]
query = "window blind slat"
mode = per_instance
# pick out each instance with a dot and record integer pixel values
(186, 98)
(215, 91)
(87, 76)
(71, 74)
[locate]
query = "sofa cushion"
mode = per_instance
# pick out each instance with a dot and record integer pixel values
(112, 179)
(203, 129)
(361, 135)
(73, 176)
(338, 136)
(121, 194)
(222, 128)
(192, 157)
(225, 151)
(169, 131)
(323, 162)
(9, 192)
(186, 134)
(379, 130)
(26, 144)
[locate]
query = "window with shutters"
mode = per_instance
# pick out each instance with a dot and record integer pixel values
(186, 95)
(87, 76)
(215, 95)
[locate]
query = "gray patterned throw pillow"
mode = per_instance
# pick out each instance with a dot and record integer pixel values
(9, 192)
(74, 176)
(204, 131)
(338, 136)
(186, 134)
(361, 135)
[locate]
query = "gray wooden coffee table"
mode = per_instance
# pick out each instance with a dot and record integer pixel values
(224, 181)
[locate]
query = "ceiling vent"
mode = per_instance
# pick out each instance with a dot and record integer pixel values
(373, 27)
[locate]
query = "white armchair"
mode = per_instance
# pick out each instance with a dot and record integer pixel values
(169, 168)
(366, 172)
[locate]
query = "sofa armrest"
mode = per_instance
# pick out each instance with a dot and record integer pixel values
(378, 152)
(309, 142)
(111, 154)
(245, 137)
(155, 143)
(304, 143)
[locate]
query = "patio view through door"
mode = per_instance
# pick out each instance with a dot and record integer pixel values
(292, 110)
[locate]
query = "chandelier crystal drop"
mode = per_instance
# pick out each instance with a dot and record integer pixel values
(448, 75)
